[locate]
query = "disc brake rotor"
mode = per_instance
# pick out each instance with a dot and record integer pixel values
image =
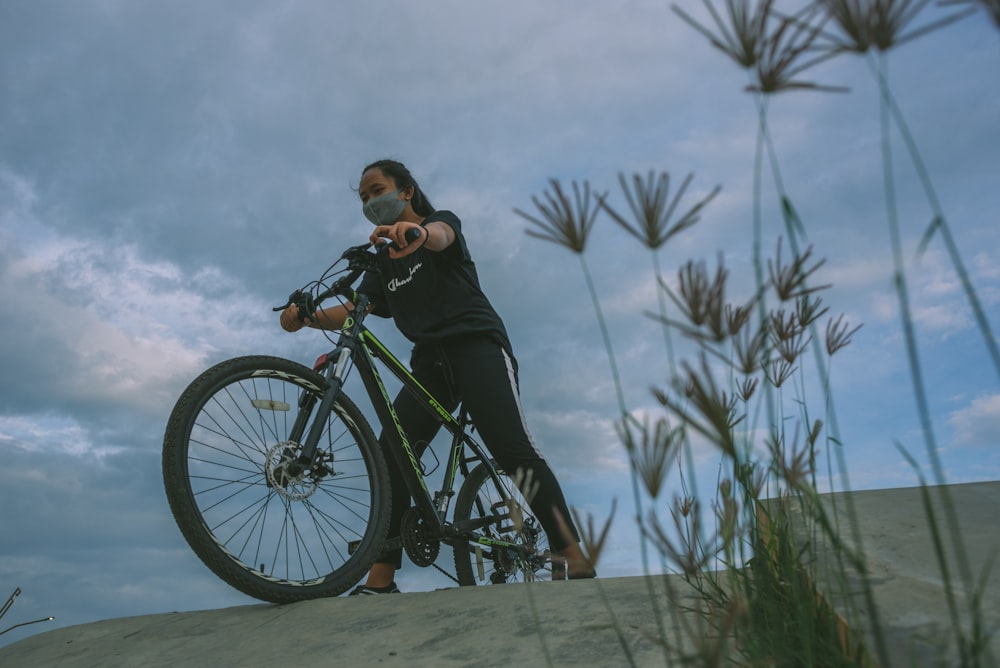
(278, 468)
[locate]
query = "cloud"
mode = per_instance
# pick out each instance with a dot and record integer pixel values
(89, 325)
(33, 435)
(169, 172)
(977, 424)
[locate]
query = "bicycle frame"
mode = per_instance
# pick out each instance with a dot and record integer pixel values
(358, 346)
(288, 503)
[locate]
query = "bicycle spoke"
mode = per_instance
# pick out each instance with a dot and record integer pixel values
(265, 519)
(522, 555)
(210, 507)
(245, 421)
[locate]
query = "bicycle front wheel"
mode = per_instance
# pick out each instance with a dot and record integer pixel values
(265, 525)
(524, 558)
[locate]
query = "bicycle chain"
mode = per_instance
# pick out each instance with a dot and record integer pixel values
(450, 576)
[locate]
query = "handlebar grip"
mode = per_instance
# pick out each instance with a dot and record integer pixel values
(307, 307)
(411, 235)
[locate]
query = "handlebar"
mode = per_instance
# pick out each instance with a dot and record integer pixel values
(359, 260)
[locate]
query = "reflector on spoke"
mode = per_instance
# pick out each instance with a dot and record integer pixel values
(270, 405)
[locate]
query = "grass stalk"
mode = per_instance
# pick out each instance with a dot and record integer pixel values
(923, 407)
(939, 553)
(940, 222)
(619, 394)
(768, 601)
(794, 227)
(606, 338)
(538, 626)
(662, 309)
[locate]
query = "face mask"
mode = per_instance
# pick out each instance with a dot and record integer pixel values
(384, 209)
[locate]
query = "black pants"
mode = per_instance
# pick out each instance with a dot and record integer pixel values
(482, 374)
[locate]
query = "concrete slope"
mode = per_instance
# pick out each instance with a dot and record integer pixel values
(578, 623)
(608, 622)
(905, 578)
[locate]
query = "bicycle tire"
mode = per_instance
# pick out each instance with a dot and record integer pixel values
(475, 564)
(265, 534)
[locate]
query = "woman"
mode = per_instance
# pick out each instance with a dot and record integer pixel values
(461, 352)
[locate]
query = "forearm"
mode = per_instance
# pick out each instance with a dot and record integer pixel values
(331, 318)
(439, 236)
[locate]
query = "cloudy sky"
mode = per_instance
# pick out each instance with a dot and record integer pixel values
(170, 171)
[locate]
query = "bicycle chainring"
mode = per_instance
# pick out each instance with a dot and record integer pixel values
(421, 547)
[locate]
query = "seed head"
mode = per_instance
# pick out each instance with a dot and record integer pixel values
(561, 220)
(652, 208)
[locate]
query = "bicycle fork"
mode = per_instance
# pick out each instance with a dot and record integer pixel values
(317, 414)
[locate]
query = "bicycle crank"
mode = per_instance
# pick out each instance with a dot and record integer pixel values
(421, 546)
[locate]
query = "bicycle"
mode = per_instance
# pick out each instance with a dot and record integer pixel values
(277, 482)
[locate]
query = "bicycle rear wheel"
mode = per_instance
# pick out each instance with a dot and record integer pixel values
(511, 521)
(228, 468)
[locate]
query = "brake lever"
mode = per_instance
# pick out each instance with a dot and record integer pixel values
(304, 301)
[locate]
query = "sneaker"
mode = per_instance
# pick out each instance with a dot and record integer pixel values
(365, 590)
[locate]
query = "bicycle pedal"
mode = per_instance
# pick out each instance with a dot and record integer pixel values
(507, 521)
(512, 510)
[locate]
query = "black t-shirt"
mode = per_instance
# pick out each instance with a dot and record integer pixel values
(434, 296)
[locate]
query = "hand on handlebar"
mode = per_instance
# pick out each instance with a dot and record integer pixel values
(303, 306)
(405, 237)
(291, 319)
(298, 312)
